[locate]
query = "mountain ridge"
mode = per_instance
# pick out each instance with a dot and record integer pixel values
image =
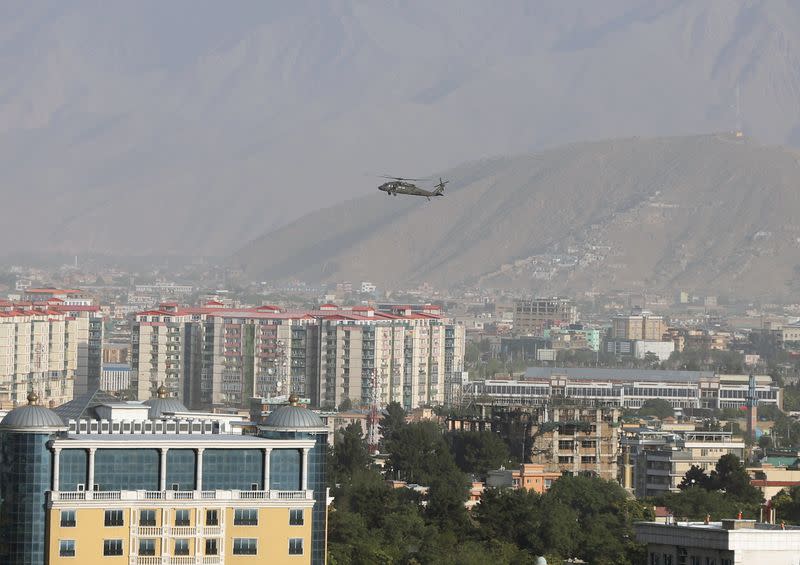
(190, 128)
(706, 212)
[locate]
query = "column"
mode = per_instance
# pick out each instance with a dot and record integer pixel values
(304, 474)
(90, 486)
(267, 453)
(56, 457)
(162, 483)
(198, 483)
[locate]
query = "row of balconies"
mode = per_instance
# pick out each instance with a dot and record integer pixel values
(176, 560)
(135, 495)
(176, 531)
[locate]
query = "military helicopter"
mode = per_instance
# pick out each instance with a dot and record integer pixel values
(401, 185)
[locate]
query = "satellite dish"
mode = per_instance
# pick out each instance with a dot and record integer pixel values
(540, 561)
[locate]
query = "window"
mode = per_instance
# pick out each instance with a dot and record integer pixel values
(296, 546)
(212, 518)
(667, 559)
(112, 547)
(245, 517)
(147, 518)
(726, 562)
(296, 517)
(655, 559)
(147, 547)
(181, 547)
(67, 518)
(711, 561)
(182, 517)
(114, 518)
(245, 546)
(211, 547)
(66, 548)
(695, 561)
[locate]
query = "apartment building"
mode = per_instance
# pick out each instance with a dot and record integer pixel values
(661, 469)
(217, 356)
(532, 315)
(575, 440)
(42, 349)
(641, 325)
(100, 480)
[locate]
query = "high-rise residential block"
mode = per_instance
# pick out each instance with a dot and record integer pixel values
(216, 356)
(43, 348)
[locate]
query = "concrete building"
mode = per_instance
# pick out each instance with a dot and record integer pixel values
(625, 388)
(661, 349)
(42, 350)
(728, 542)
(661, 469)
(529, 476)
(103, 481)
(574, 336)
(576, 440)
(641, 325)
(116, 377)
(217, 356)
(532, 315)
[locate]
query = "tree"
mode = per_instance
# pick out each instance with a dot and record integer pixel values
(350, 451)
(416, 452)
(696, 503)
(345, 405)
(695, 477)
(392, 421)
(657, 407)
(787, 505)
(478, 452)
(731, 476)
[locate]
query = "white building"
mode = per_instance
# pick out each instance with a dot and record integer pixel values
(729, 542)
(41, 350)
(627, 388)
(661, 349)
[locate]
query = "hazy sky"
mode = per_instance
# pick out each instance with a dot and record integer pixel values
(193, 127)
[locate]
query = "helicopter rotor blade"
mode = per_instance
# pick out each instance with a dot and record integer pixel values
(401, 178)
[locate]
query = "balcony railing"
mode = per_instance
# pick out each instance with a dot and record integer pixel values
(176, 560)
(134, 495)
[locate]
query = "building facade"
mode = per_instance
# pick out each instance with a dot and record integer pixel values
(41, 349)
(532, 315)
(661, 469)
(213, 356)
(625, 388)
(641, 325)
(151, 484)
(726, 542)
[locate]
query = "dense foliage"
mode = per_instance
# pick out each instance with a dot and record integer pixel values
(723, 493)
(373, 523)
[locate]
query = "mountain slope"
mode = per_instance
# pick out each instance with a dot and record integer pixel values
(187, 127)
(711, 213)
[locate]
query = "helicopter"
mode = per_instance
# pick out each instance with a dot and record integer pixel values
(401, 185)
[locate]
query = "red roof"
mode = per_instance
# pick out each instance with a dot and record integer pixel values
(52, 291)
(214, 303)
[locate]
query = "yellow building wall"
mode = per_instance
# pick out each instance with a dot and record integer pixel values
(273, 533)
(89, 533)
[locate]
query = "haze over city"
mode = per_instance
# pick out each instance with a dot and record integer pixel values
(348, 282)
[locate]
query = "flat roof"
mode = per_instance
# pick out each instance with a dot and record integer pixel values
(579, 373)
